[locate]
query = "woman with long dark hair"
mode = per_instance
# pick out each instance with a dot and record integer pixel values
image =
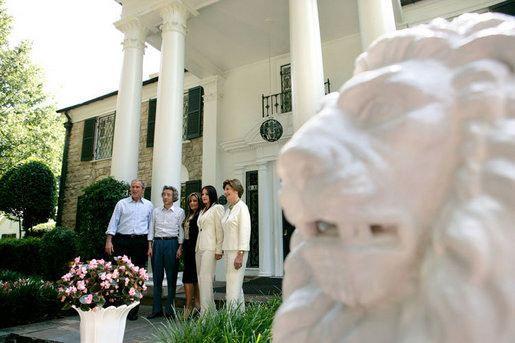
(209, 245)
(189, 276)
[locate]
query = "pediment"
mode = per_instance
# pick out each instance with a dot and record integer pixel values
(252, 138)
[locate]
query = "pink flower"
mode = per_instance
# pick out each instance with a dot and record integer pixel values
(70, 290)
(132, 291)
(88, 299)
(93, 264)
(77, 260)
(81, 286)
(125, 259)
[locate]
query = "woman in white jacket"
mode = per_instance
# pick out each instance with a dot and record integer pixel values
(209, 245)
(236, 244)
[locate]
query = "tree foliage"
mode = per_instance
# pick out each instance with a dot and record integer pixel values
(28, 193)
(95, 208)
(29, 126)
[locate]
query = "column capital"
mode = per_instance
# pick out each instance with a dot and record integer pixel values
(212, 88)
(175, 15)
(135, 33)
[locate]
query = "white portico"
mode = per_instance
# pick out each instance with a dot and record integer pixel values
(247, 57)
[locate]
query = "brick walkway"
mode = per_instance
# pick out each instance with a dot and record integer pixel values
(67, 329)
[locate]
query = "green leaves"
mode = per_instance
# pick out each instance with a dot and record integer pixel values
(225, 325)
(29, 125)
(32, 191)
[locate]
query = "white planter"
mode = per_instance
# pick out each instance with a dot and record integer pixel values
(104, 325)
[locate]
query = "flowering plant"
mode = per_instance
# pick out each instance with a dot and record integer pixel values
(99, 283)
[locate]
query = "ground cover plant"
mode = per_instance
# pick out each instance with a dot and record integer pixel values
(24, 300)
(254, 325)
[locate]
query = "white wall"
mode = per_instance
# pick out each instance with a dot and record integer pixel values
(8, 226)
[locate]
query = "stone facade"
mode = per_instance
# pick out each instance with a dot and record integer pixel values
(81, 174)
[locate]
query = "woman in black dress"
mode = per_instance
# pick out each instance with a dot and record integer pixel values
(189, 276)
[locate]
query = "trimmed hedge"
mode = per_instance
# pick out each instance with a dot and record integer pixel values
(46, 257)
(21, 255)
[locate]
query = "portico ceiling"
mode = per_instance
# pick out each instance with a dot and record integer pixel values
(230, 33)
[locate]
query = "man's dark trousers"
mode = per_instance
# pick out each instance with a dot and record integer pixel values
(135, 247)
(163, 259)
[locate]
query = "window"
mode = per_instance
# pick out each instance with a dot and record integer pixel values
(97, 139)
(192, 115)
(104, 141)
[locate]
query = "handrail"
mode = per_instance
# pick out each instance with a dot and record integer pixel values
(282, 102)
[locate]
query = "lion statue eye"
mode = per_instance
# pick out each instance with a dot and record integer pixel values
(326, 228)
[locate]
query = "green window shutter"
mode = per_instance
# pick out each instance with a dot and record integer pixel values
(151, 124)
(148, 193)
(88, 139)
(195, 106)
(192, 186)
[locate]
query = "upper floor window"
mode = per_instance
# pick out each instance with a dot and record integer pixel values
(192, 115)
(97, 138)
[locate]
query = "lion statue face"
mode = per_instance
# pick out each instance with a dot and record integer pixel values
(373, 179)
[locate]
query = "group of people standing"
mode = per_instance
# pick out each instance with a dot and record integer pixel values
(202, 237)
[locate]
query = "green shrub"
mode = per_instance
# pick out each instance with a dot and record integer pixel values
(21, 255)
(32, 194)
(40, 229)
(58, 247)
(95, 208)
(27, 300)
(252, 325)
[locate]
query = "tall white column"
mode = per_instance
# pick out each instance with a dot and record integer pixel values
(210, 165)
(376, 17)
(167, 157)
(124, 161)
(307, 69)
(265, 192)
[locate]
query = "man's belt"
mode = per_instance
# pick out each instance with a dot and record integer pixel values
(164, 238)
(130, 236)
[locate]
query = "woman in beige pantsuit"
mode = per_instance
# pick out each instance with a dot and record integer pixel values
(236, 244)
(209, 245)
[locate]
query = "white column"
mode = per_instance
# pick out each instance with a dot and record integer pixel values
(376, 17)
(124, 161)
(210, 165)
(167, 157)
(307, 69)
(265, 193)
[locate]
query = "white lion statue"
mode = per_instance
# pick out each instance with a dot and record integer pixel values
(402, 190)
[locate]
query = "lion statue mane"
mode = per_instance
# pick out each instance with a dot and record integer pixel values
(402, 191)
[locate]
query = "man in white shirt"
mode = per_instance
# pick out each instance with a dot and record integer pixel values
(165, 237)
(128, 229)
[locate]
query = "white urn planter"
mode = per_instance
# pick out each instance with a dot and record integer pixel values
(104, 325)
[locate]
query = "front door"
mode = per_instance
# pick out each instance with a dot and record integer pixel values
(253, 205)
